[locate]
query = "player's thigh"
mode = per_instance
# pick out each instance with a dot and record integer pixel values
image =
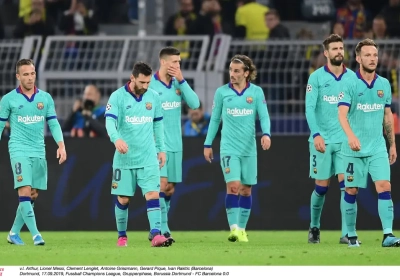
(231, 168)
(123, 182)
(321, 164)
(175, 167)
(355, 171)
(249, 170)
(379, 167)
(337, 159)
(22, 168)
(39, 174)
(148, 179)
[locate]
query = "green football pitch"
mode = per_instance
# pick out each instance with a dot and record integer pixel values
(197, 248)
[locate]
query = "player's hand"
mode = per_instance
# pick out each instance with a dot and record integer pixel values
(265, 142)
(354, 143)
(121, 146)
(161, 158)
(319, 144)
(61, 154)
(175, 72)
(392, 155)
(208, 154)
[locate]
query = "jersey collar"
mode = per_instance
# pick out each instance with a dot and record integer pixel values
(30, 99)
(326, 68)
(128, 90)
(358, 73)
(157, 77)
(239, 93)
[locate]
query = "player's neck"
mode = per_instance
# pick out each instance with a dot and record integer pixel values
(27, 92)
(368, 77)
(163, 75)
(336, 70)
(240, 87)
(132, 90)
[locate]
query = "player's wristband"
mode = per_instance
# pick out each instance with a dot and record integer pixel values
(316, 134)
(266, 134)
(207, 146)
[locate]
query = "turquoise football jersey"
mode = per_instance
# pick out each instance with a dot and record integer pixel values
(238, 112)
(137, 121)
(322, 93)
(27, 117)
(171, 97)
(367, 105)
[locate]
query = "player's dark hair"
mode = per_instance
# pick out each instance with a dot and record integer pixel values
(365, 42)
(248, 65)
(168, 51)
(141, 68)
(23, 62)
(333, 38)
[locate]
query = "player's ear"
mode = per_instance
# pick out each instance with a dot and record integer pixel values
(132, 78)
(17, 76)
(326, 54)
(358, 59)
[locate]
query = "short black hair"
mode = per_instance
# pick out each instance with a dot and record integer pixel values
(333, 38)
(168, 51)
(141, 68)
(23, 62)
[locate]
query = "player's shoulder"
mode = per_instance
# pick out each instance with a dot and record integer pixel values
(318, 73)
(223, 89)
(44, 94)
(153, 94)
(116, 94)
(383, 80)
(9, 95)
(256, 89)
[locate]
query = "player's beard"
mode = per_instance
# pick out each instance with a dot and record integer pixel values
(336, 61)
(27, 86)
(139, 91)
(366, 69)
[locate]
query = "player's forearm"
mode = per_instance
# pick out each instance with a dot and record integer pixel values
(265, 123)
(312, 122)
(212, 132)
(2, 126)
(159, 135)
(344, 123)
(388, 124)
(189, 95)
(111, 127)
(55, 130)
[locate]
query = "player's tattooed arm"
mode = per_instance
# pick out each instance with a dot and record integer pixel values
(388, 125)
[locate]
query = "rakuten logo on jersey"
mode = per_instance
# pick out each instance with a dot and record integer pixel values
(367, 108)
(171, 105)
(331, 99)
(235, 112)
(30, 119)
(138, 120)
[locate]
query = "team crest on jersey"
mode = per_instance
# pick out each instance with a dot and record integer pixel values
(114, 185)
(19, 178)
(149, 106)
(178, 92)
(227, 170)
(309, 88)
(315, 171)
(380, 93)
(350, 178)
(249, 99)
(40, 105)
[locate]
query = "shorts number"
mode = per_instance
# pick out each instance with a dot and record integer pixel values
(226, 160)
(18, 168)
(117, 175)
(350, 168)
(314, 160)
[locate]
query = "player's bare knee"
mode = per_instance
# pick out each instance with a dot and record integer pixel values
(322, 183)
(123, 200)
(245, 190)
(152, 195)
(24, 191)
(352, 191)
(383, 186)
(233, 187)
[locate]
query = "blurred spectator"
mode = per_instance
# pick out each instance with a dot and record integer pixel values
(133, 11)
(228, 10)
(250, 20)
(197, 124)
(390, 62)
(34, 23)
(379, 29)
(391, 13)
(179, 23)
(79, 20)
(276, 29)
(54, 8)
(338, 29)
(354, 18)
(87, 116)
